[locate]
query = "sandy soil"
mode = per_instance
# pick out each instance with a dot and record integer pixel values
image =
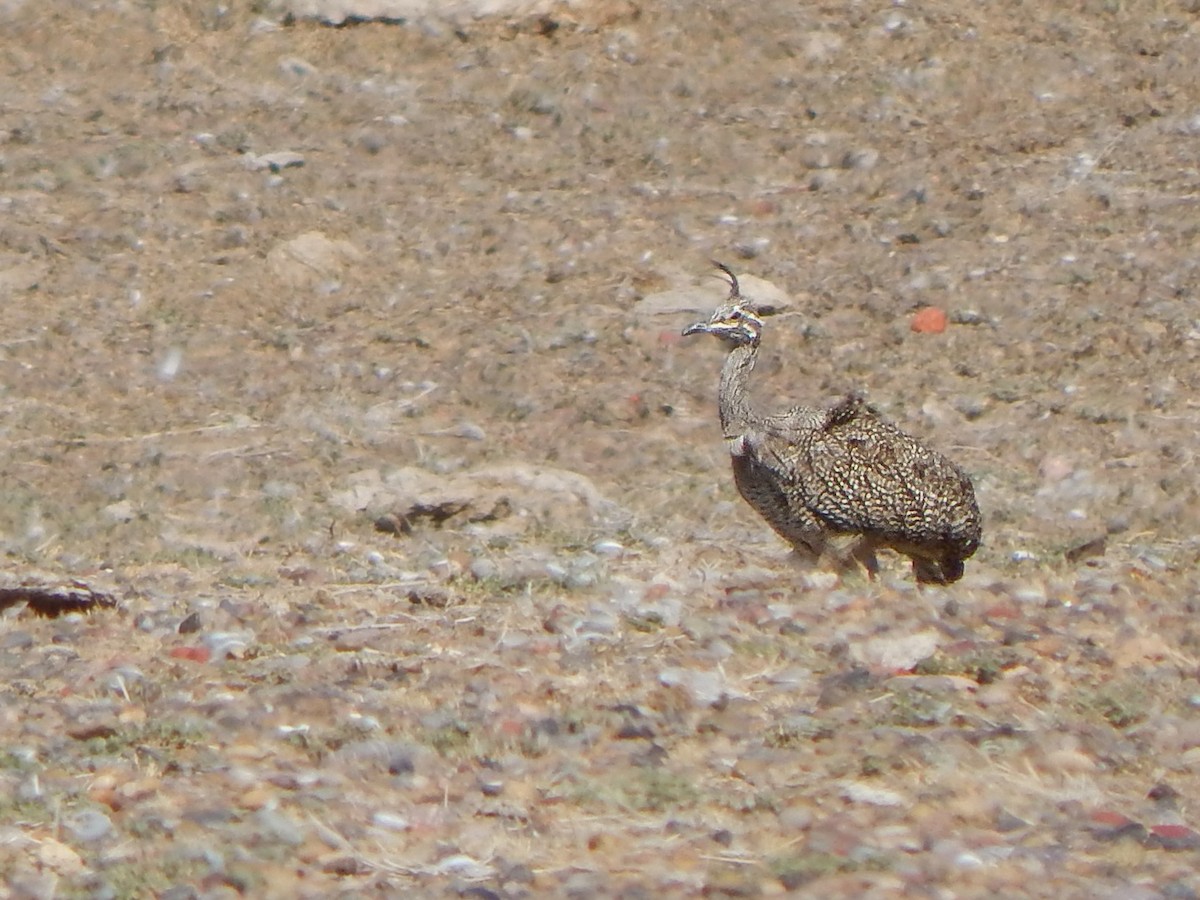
(266, 284)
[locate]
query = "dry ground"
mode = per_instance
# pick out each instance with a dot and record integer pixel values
(599, 675)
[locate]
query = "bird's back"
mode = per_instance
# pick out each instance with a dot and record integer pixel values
(846, 471)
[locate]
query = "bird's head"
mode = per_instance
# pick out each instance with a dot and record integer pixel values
(738, 321)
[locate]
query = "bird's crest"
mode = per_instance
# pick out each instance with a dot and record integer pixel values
(735, 292)
(738, 320)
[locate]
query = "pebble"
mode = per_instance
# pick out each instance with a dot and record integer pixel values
(122, 511)
(513, 640)
(296, 67)
(895, 654)
(863, 159)
(599, 622)
(968, 860)
(793, 677)
(482, 568)
(89, 825)
(275, 162)
(1006, 822)
(390, 821)
(873, 795)
(281, 827)
(1173, 838)
(897, 837)
(16, 640)
(969, 317)
(929, 320)
(705, 687)
(463, 866)
(311, 259)
(363, 723)
(170, 364)
(491, 787)
(58, 858)
(1030, 594)
(227, 644)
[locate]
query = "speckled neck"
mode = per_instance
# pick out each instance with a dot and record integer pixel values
(736, 417)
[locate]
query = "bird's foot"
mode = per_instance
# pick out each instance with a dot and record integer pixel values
(930, 571)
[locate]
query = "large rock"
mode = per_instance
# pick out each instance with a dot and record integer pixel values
(701, 298)
(311, 258)
(338, 12)
(411, 498)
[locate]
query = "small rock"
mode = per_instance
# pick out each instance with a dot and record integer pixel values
(1055, 468)
(1006, 822)
(864, 159)
(1109, 825)
(702, 297)
(311, 258)
(482, 568)
(722, 836)
(896, 654)
(170, 364)
(1164, 796)
(121, 511)
(491, 788)
(929, 320)
(16, 640)
(705, 687)
(840, 687)
(372, 142)
(343, 866)
(87, 731)
(731, 882)
(275, 162)
(969, 317)
(282, 828)
(59, 858)
(968, 860)
(874, 795)
(463, 866)
(296, 67)
(227, 644)
(194, 654)
(22, 277)
(1173, 838)
(517, 873)
(89, 826)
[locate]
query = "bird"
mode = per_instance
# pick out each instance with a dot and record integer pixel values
(838, 481)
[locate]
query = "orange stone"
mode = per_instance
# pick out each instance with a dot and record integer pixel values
(929, 320)
(195, 654)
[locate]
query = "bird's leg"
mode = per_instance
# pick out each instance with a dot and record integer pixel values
(929, 571)
(845, 555)
(864, 552)
(805, 557)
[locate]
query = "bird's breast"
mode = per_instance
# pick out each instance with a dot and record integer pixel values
(737, 445)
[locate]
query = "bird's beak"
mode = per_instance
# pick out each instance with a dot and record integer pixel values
(698, 328)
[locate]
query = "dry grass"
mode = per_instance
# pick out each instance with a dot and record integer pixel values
(600, 676)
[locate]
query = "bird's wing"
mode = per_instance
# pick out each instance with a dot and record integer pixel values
(858, 473)
(765, 479)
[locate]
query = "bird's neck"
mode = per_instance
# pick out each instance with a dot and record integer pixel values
(734, 395)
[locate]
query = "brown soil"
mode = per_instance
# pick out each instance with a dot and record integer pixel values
(573, 662)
